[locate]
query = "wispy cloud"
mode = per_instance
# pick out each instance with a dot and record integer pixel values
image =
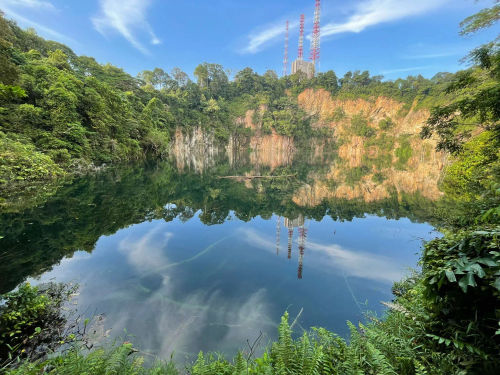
(409, 69)
(373, 12)
(259, 38)
(127, 17)
(32, 4)
(430, 56)
(13, 8)
(366, 13)
(351, 263)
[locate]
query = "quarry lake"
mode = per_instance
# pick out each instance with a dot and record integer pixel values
(179, 261)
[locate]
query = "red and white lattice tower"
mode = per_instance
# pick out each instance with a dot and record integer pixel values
(302, 247)
(290, 238)
(278, 232)
(315, 41)
(300, 55)
(285, 59)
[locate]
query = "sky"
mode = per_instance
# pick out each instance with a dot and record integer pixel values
(393, 38)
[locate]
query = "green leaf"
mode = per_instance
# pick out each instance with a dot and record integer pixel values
(463, 284)
(478, 270)
(496, 283)
(470, 279)
(38, 330)
(488, 262)
(451, 276)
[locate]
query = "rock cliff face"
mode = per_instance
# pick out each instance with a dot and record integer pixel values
(267, 150)
(370, 165)
(420, 173)
(196, 149)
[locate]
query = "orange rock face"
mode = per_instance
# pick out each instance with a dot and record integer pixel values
(266, 150)
(420, 174)
(365, 168)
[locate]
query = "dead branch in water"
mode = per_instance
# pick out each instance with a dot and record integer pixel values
(251, 177)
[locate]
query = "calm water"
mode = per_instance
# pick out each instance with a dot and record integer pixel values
(187, 261)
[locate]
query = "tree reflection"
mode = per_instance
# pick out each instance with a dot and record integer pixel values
(37, 237)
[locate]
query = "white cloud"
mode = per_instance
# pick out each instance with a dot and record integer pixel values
(32, 4)
(425, 56)
(366, 13)
(409, 69)
(148, 252)
(357, 263)
(350, 262)
(373, 12)
(13, 8)
(260, 38)
(128, 18)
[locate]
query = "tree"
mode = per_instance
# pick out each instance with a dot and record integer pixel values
(483, 19)
(476, 92)
(328, 81)
(201, 73)
(59, 59)
(180, 77)
(213, 79)
(247, 82)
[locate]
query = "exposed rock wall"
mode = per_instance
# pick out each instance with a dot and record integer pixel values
(263, 150)
(195, 149)
(420, 174)
(421, 171)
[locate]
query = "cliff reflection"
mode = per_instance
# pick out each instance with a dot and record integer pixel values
(79, 213)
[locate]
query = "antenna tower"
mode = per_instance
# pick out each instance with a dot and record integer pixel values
(285, 59)
(301, 38)
(278, 232)
(315, 42)
(302, 247)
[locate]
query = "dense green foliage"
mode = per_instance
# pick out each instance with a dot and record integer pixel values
(359, 126)
(32, 321)
(117, 360)
(462, 282)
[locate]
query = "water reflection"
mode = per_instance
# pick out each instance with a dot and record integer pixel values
(291, 224)
(188, 261)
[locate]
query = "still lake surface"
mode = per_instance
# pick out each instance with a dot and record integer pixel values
(187, 261)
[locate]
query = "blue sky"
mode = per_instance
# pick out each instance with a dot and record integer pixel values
(394, 38)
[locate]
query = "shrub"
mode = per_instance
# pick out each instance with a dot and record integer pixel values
(378, 178)
(20, 161)
(338, 114)
(360, 127)
(462, 284)
(115, 360)
(32, 320)
(385, 124)
(354, 175)
(403, 152)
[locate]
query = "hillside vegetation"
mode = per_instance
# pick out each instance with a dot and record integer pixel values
(61, 113)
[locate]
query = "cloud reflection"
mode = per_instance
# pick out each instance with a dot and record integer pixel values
(202, 318)
(149, 251)
(332, 256)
